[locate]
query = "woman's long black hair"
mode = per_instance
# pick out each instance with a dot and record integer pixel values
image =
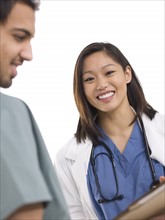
(86, 124)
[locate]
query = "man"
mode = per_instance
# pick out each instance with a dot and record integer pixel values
(29, 188)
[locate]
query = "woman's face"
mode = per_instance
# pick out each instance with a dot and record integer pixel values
(105, 82)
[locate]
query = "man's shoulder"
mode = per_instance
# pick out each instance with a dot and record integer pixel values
(13, 108)
(11, 102)
(7, 98)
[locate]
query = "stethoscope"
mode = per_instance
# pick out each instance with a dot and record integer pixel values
(110, 155)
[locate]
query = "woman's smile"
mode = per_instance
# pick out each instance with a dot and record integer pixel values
(105, 96)
(105, 82)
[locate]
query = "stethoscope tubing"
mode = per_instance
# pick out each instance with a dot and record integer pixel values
(109, 153)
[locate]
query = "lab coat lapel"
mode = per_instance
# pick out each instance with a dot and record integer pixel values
(155, 135)
(79, 171)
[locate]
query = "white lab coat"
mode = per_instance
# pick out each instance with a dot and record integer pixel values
(72, 160)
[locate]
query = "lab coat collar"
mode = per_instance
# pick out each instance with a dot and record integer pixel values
(155, 134)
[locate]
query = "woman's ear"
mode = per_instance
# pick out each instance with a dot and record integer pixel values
(128, 74)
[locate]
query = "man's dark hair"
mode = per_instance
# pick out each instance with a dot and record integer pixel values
(7, 5)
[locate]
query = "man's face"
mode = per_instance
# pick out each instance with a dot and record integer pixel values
(15, 36)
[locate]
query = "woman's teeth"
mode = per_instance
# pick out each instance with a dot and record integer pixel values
(107, 95)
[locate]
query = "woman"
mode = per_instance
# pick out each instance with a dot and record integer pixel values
(106, 165)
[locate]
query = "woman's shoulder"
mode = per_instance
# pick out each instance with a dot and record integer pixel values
(157, 121)
(158, 116)
(72, 149)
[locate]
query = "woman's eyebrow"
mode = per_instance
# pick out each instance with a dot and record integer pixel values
(110, 64)
(89, 71)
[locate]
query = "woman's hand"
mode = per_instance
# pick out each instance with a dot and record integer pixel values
(162, 179)
(160, 217)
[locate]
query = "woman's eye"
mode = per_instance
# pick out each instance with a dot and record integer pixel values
(89, 79)
(109, 73)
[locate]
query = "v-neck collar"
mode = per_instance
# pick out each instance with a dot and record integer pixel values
(134, 147)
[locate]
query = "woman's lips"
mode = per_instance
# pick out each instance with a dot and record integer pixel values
(106, 95)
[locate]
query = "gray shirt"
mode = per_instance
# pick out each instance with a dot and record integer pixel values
(26, 172)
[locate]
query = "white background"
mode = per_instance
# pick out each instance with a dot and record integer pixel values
(63, 29)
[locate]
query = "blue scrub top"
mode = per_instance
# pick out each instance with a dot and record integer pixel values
(133, 174)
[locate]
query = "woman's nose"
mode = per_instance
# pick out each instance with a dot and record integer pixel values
(102, 85)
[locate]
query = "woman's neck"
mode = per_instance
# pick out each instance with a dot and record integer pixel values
(121, 118)
(118, 126)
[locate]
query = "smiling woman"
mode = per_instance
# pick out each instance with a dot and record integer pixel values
(98, 72)
(119, 139)
(63, 28)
